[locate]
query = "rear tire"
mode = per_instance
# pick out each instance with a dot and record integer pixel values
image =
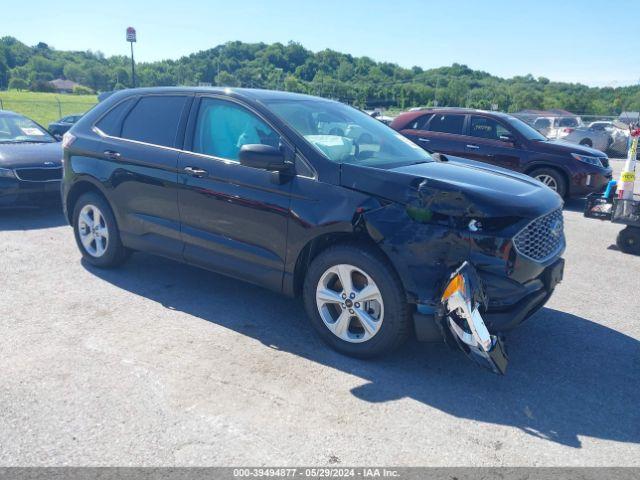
(96, 232)
(629, 240)
(551, 178)
(354, 321)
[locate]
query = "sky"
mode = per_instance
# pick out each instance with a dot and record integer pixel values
(594, 42)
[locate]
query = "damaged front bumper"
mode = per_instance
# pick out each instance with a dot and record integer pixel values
(462, 324)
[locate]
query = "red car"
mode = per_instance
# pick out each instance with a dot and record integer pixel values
(505, 141)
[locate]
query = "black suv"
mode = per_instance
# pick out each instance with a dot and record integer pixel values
(311, 197)
(505, 141)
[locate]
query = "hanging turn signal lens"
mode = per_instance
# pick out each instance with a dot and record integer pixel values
(455, 285)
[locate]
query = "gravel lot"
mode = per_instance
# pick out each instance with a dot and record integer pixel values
(159, 363)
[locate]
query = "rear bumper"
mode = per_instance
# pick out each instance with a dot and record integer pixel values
(16, 192)
(499, 319)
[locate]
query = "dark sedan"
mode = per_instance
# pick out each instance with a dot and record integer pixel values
(30, 161)
(63, 125)
(502, 140)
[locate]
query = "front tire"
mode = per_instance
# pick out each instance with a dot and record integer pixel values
(356, 302)
(629, 240)
(96, 232)
(552, 179)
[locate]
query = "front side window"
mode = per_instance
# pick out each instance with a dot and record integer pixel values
(344, 134)
(488, 128)
(223, 127)
(154, 120)
(447, 124)
(18, 129)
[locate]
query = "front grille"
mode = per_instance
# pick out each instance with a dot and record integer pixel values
(541, 239)
(39, 174)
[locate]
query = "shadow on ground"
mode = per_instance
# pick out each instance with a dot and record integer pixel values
(568, 376)
(33, 217)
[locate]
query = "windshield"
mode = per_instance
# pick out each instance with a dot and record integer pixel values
(525, 130)
(345, 135)
(17, 129)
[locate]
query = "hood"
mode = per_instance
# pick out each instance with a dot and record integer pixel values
(562, 147)
(19, 155)
(456, 187)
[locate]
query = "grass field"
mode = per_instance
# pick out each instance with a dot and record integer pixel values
(45, 107)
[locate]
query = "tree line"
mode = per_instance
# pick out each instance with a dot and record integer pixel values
(357, 80)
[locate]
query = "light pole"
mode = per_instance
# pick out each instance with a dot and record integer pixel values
(131, 38)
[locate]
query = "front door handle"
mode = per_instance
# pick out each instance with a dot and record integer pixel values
(195, 172)
(474, 147)
(112, 154)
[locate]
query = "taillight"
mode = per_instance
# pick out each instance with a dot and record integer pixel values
(68, 139)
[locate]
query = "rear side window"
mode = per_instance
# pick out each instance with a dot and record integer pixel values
(568, 122)
(111, 123)
(154, 120)
(447, 124)
(542, 123)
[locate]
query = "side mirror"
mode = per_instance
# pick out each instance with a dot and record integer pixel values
(507, 138)
(266, 157)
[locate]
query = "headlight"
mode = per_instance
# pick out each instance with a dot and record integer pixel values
(7, 173)
(587, 159)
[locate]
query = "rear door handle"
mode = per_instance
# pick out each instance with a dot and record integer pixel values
(420, 139)
(475, 147)
(112, 154)
(195, 172)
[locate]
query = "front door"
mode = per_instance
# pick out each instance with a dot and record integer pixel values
(490, 141)
(233, 217)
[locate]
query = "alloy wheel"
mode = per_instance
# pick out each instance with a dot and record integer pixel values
(549, 181)
(93, 230)
(350, 303)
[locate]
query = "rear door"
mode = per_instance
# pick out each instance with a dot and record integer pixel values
(139, 163)
(234, 217)
(491, 141)
(444, 132)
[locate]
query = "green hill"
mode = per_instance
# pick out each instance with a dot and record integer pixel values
(358, 80)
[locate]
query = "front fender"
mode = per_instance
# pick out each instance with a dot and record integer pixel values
(423, 251)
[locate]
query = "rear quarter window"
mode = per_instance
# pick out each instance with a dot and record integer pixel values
(418, 123)
(111, 123)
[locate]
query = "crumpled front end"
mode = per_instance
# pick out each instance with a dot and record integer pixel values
(463, 300)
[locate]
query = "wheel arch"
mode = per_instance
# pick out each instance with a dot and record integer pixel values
(557, 168)
(320, 243)
(78, 189)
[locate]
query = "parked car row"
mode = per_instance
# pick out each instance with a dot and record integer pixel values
(505, 141)
(607, 136)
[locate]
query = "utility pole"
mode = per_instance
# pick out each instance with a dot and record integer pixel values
(131, 38)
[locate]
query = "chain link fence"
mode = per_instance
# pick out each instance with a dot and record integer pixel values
(49, 110)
